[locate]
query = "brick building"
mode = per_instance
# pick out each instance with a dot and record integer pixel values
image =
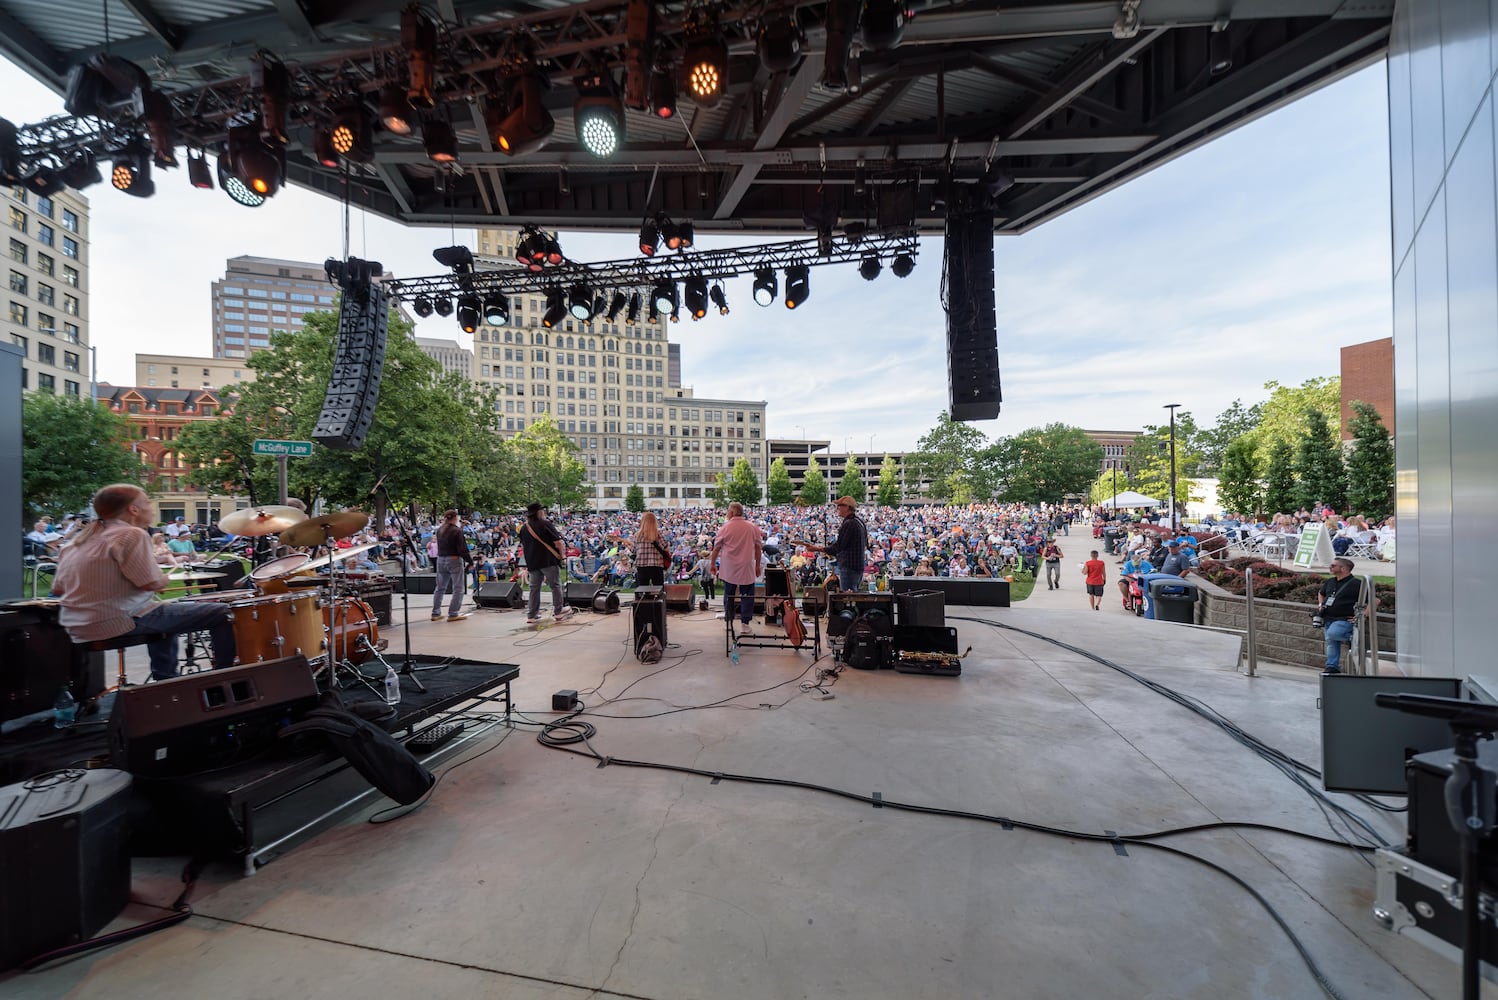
(156, 417)
(1368, 375)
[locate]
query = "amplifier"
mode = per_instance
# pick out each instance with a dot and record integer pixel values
(925, 608)
(580, 595)
(1430, 839)
(649, 618)
(64, 860)
(206, 720)
(814, 601)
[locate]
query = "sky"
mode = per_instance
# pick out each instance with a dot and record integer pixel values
(1253, 258)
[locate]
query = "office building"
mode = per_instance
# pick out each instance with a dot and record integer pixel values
(46, 312)
(260, 295)
(606, 384)
(798, 453)
(178, 371)
(1116, 445)
(452, 356)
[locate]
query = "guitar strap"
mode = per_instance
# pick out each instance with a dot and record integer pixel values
(549, 547)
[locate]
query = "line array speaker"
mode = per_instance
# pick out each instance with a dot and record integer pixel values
(972, 325)
(499, 594)
(358, 362)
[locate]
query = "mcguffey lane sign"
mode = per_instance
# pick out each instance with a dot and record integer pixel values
(293, 449)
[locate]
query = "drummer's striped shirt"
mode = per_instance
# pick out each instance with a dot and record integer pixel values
(102, 581)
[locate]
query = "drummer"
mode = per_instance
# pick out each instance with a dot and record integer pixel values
(107, 580)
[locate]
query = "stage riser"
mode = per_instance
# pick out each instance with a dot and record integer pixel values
(979, 593)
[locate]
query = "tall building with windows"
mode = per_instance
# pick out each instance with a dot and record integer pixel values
(180, 371)
(46, 313)
(452, 356)
(260, 295)
(607, 385)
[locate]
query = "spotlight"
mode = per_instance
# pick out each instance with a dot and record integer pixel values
(236, 188)
(663, 299)
(443, 305)
(1219, 51)
(525, 247)
(650, 237)
(704, 66)
(468, 313)
(902, 266)
(553, 250)
(797, 285)
(670, 232)
(883, 24)
(260, 168)
(396, 113)
(652, 314)
(685, 235)
(580, 301)
(496, 310)
(555, 308)
(780, 42)
(419, 39)
(353, 134)
(132, 173)
(323, 151)
(869, 267)
(765, 286)
(632, 315)
(198, 173)
(598, 115)
(273, 80)
(842, 21)
(158, 115)
(527, 127)
(600, 303)
(440, 140)
(663, 91)
(615, 304)
(43, 180)
(719, 299)
(83, 172)
(422, 306)
(639, 50)
(695, 294)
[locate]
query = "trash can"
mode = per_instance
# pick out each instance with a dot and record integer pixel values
(1174, 600)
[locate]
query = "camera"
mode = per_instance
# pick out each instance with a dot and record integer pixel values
(1317, 621)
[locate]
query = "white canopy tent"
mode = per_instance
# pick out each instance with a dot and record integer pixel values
(1128, 498)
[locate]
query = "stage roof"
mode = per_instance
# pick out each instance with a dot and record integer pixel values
(1064, 100)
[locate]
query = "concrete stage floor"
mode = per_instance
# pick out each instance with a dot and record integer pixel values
(536, 873)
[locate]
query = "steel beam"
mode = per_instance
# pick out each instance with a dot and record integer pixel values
(791, 100)
(153, 22)
(1092, 66)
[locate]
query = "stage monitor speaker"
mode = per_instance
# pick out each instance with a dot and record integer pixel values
(580, 595)
(678, 597)
(925, 608)
(207, 720)
(814, 601)
(64, 860)
(972, 325)
(648, 618)
(358, 361)
(499, 594)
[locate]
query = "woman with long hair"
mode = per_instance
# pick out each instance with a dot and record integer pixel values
(651, 554)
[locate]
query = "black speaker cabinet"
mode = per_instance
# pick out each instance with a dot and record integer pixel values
(64, 861)
(419, 583)
(679, 597)
(499, 594)
(206, 720)
(649, 616)
(580, 595)
(972, 328)
(814, 601)
(925, 608)
(358, 362)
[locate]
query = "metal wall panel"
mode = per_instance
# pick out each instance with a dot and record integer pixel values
(1401, 163)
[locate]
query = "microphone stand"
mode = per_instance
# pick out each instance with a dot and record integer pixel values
(408, 669)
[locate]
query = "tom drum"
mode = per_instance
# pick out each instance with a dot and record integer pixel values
(275, 625)
(352, 631)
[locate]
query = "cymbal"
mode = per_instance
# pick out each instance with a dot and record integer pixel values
(258, 521)
(313, 530)
(338, 554)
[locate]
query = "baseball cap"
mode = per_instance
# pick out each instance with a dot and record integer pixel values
(1173, 544)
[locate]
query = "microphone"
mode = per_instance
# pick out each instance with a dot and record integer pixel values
(378, 484)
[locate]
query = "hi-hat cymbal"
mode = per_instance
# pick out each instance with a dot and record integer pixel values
(257, 521)
(314, 530)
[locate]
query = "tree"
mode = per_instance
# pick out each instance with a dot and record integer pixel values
(813, 485)
(1238, 482)
(1282, 417)
(70, 448)
(1279, 479)
(851, 485)
(718, 491)
(548, 464)
(944, 449)
(1370, 466)
(634, 498)
(1149, 461)
(1318, 464)
(1232, 424)
(778, 485)
(887, 494)
(1044, 464)
(743, 484)
(960, 488)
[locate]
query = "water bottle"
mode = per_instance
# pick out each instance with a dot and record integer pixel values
(733, 652)
(64, 709)
(392, 686)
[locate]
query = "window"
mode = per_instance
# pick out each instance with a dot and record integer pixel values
(17, 219)
(44, 263)
(45, 294)
(69, 247)
(257, 293)
(70, 305)
(18, 193)
(70, 361)
(302, 297)
(46, 383)
(20, 342)
(44, 206)
(44, 234)
(17, 250)
(47, 323)
(70, 388)
(18, 282)
(46, 354)
(70, 332)
(232, 290)
(70, 220)
(18, 314)
(69, 275)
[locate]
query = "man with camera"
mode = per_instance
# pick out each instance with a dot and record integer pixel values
(1337, 609)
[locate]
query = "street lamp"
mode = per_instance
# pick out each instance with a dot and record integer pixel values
(1172, 408)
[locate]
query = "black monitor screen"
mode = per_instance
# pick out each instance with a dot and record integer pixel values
(1363, 746)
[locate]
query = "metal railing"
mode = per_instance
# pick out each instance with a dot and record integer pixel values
(1248, 607)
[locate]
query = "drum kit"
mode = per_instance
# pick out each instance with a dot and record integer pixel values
(286, 611)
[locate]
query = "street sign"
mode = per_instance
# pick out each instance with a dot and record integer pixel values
(295, 449)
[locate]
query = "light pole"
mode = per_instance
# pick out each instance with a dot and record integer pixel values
(1172, 408)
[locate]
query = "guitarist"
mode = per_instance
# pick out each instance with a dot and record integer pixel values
(850, 546)
(542, 546)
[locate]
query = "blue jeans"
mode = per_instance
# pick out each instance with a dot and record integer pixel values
(746, 600)
(175, 618)
(847, 579)
(1336, 634)
(449, 574)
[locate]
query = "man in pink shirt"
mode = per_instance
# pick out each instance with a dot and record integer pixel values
(738, 551)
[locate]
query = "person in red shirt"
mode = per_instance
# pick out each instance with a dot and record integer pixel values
(1096, 576)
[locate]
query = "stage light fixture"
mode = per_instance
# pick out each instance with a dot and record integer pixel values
(271, 77)
(353, 133)
(158, 115)
(686, 235)
(556, 308)
(443, 306)
(396, 112)
(468, 313)
(615, 304)
(652, 314)
(422, 306)
(198, 174)
(580, 301)
(663, 299)
(528, 125)
(869, 267)
(496, 310)
(553, 249)
(323, 151)
(902, 266)
(639, 51)
(842, 22)
(598, 115)
(797, 285)
(419, 39)
(663, 91)
(704, 65)
(10, 153)
(670, 233)
(780, 42)
(260, 168)
(439, 140)
(695, 294)
(765, 286)
(132, 173)
(720, 299)
(83, 172)
(43, 180)
(883, 24)
(235, 187)
(1219, 50)
(676, 313)
(650, 237)
(632, 314)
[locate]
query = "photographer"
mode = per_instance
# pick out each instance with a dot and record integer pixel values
(1337, 609)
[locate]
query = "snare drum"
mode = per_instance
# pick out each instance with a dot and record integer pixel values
(275, 625)
(350, 621)
(267, 576)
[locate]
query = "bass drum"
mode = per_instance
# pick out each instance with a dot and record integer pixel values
(353, 634)
(273, 626)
